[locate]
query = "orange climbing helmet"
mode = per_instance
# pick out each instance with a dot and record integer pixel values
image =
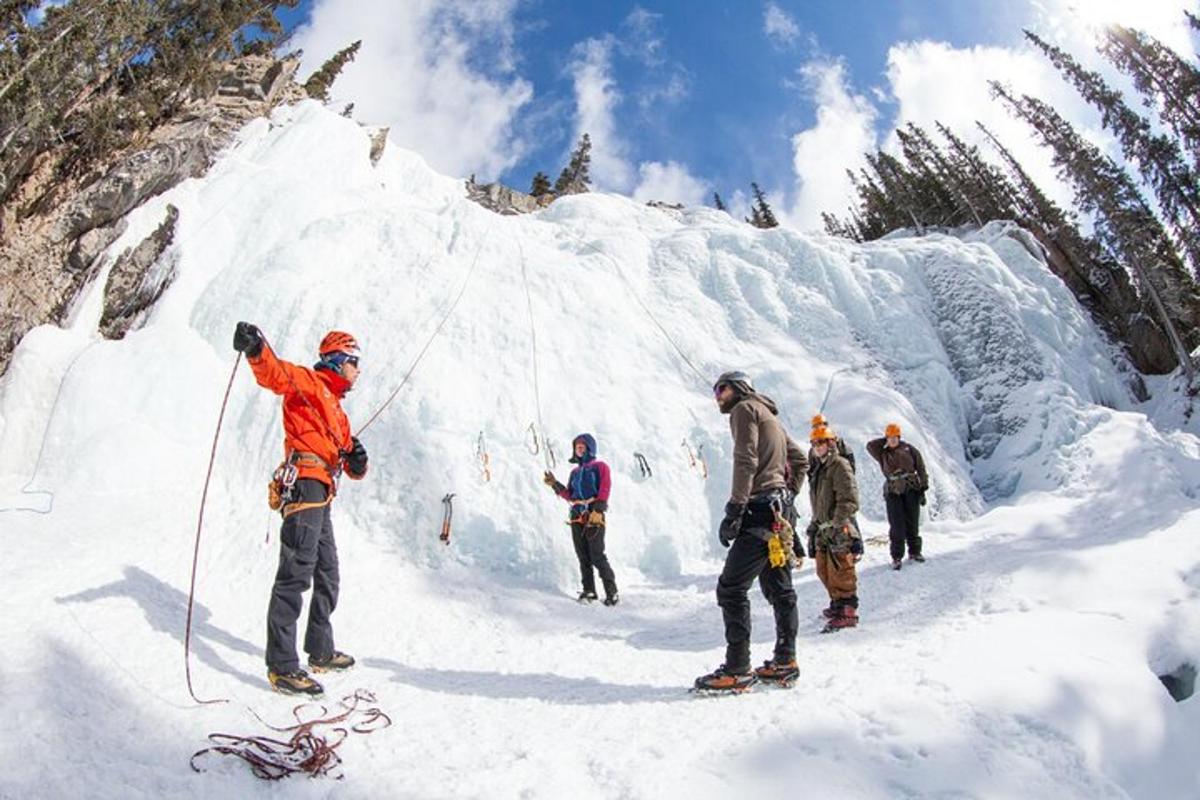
(822, 434)
(892, 429)
(819, 421)
(339, 342)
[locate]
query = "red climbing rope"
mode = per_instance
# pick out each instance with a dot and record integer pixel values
(307, 751)
(187, 634)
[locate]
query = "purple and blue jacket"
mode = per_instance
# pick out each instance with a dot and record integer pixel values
(590, 480)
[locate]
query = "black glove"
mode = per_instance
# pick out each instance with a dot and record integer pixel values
(248, 339)
(922, 497)
(731, 526)
(856, 546)
(812, 545)
(600, 505)
(356, 459)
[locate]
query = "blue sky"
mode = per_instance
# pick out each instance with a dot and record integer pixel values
(685, 97)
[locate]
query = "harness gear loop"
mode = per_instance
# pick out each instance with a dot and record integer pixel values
(447, 516)
(292, 508)
(643, 465)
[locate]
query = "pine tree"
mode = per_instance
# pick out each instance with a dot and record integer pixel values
(320, 82)
(1176, 185)
(574, 179)
(720, 206)
(95, 75)
(1160, 73)
(541, 184)
(761, 214)
(1124, 222)
(1093, 275)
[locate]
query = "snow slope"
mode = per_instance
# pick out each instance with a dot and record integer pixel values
(1020, 661)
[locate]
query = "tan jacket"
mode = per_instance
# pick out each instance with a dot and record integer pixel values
(763, 454)
(833, 492)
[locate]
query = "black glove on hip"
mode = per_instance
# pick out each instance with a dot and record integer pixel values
(248, 339)
(731, 526)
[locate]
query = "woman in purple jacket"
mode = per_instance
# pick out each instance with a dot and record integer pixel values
(587, 492)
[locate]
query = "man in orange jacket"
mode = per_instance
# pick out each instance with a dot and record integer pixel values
(317, 446)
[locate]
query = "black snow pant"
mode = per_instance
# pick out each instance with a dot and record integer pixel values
(904, 519)
(307, 556)
(747, 559)
(589, 549)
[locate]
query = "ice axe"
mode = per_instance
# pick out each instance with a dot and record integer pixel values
(447, 515)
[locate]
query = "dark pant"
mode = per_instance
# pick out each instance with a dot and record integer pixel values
(747, 560)
(589, 549)
(904, 519)
(307, 556)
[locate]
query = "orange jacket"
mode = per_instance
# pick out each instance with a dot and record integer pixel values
(313, 420)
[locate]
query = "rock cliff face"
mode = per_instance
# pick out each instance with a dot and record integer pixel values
(504, 199)
(53, 232)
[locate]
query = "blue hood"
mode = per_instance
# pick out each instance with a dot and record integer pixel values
(589, 442)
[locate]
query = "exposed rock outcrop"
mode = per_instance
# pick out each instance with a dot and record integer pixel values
(52, 231)
(504, 199)
(138, 278)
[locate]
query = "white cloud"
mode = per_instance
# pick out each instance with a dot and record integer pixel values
(844, 131)
(438, 72)
(670, 182)
(596, 98)
(641, 39)
(779, 27)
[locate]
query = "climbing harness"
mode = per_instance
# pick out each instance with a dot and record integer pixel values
(447, 516)
(643, 465)
(484, 459)
(306, 751)
(696, 459)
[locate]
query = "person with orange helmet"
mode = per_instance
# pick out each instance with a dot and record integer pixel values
(833, 493)
(318, 447)
(905, 482)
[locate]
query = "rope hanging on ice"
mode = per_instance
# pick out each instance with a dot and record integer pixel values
(548, 453)
(445, 317)
(306, 751)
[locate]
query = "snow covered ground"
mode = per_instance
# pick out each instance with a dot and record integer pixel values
(1020, 661)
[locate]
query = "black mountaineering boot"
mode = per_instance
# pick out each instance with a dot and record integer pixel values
(295, 682)
(586, 597)
(612, 599)
(334, 663)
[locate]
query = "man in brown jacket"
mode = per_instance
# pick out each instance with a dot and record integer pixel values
(763, 458)
(834, 496)
(904, 485)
